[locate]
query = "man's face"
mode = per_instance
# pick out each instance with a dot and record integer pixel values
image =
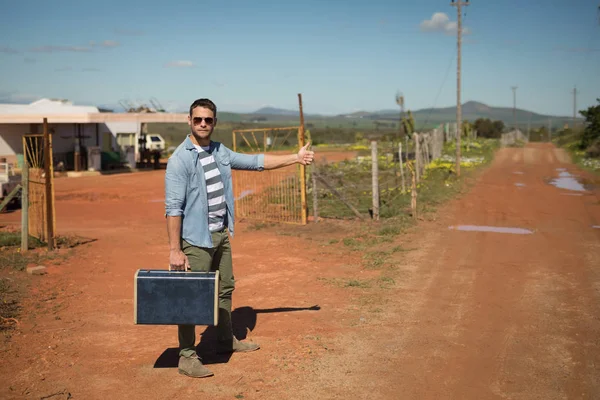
(202, 122)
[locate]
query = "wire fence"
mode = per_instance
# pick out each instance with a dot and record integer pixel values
(344, 190)
(272, 195)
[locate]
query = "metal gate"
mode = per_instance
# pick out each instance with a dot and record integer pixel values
(271, 195)
(37, 150)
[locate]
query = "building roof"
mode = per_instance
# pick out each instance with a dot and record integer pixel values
(63, 111)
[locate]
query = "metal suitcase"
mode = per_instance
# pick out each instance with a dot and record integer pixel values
(163, 297)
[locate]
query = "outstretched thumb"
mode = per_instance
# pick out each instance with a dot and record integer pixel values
(306, 146)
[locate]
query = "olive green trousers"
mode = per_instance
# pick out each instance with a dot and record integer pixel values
(203, 259)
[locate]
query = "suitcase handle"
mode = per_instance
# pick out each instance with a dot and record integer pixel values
(169, 268)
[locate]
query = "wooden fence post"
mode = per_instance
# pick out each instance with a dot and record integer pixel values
(375, 172)
(49, 171)
(401, 166)
(315, 196)
(301, 143)
(413, 191)
(427, 141)
(417, 156)
(25, 205)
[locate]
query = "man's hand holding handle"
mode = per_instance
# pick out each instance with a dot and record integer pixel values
(178, 261)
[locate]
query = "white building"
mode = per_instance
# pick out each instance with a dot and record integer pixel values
(75, 129)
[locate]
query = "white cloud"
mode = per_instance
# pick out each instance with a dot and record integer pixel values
(129, 32)
(8, 50)
(109, 43)
(54, 49)
(106, 43)
(75, 49)
(179, 64)
(577, 49)
(440, 22)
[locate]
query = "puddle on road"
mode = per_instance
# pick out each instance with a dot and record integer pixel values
(596, 226)
(561, 169)
(496, 229)
(156, 201)
(520, 184)
(518, 172)
(571, 194)
(567, 181)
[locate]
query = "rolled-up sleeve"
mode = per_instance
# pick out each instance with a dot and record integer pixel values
(254, 162)
(175, 187)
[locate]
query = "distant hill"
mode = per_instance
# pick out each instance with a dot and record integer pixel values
(471, 111)
(426, 118)
(274, 111)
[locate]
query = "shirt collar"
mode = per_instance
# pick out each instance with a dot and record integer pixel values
(190, 146)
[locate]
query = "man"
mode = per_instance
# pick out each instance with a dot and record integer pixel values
(199, 213)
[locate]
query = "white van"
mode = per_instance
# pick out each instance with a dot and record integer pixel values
(8, 181)
(155, 142)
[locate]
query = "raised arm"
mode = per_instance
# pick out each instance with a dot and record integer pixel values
(304, 157)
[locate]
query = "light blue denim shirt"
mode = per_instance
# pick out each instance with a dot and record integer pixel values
(185, 187)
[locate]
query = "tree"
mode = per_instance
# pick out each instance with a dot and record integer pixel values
(488, 129)
(498, 128)
(591, 133)
(467, 129)
(408, 124)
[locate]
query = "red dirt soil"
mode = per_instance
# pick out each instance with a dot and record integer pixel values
(470, 315)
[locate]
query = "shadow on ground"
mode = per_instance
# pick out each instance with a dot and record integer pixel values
(243, 319)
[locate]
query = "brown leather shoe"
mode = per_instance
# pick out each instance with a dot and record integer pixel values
(235, 346)
(193, 367)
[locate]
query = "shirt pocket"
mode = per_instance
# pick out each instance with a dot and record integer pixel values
(224, 165)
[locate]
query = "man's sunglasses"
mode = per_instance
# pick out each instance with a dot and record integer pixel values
(208, 120)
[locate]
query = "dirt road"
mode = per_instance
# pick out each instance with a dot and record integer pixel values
(470, 315)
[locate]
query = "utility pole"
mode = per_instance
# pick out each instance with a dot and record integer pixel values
(458, 5)
(301, 143)
(549, 129)
(514, 89)
(574, 106)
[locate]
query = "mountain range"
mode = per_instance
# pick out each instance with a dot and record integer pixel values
(471, 111)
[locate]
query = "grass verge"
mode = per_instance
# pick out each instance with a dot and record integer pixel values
(352, 179)
(570, 141)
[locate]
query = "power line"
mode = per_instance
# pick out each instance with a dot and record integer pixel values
(439, 90)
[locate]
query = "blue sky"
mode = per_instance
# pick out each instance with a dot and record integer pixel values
(343, 56)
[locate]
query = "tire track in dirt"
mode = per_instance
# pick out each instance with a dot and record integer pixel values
(490, 315)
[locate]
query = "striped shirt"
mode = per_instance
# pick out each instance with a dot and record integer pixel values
(217, 208)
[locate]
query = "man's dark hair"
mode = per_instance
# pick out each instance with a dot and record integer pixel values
(205, 103)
